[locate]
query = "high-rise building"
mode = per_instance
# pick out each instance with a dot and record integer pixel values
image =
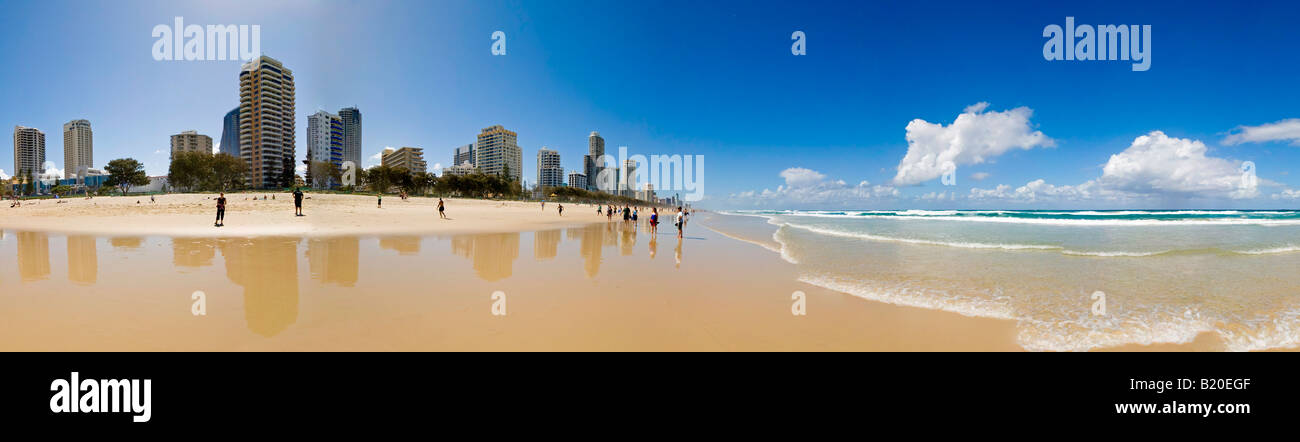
(459, 170)
(29, 151)
(577, 180)
(266, 120)
(230, 134)
(351, 117)
(324, 144)
(464, 154)
(409, 158)
(627, 179)
(191, 141)
(592, 162)
(549, 172)
(78, 148)
(498, 152)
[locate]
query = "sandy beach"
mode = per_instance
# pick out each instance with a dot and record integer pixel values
(248, 214)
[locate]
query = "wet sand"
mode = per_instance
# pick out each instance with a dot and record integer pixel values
(601, 286)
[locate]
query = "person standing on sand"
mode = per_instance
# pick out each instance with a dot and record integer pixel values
(441, 209)
(560, 208)
(221, 210)
(381, 201)
(654, 221)
(680, 221)
(297, 202)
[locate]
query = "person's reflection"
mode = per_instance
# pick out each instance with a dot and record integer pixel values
(403, 245)
(654, 245)
(546, 244)
(678, 253)
(83, 261)
(193, 252)
(628, 242)
(33, 256)
(334, 260)
(493, 254)
(593, 239)
(267, 268)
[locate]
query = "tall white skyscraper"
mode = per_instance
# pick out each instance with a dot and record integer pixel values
(324, 145)
(78, 148)
(549, 172)
(591, 162)
(497, 152)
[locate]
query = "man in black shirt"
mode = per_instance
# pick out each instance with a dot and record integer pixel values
(297, 201)
(221, 210)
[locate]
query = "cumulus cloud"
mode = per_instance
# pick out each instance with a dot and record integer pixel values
(975, 137)
(3, 175)
(300, 168)
(1154, 165)
(798, 177)
(806, 187)
(375, 159)
(1159, 164)
(1285, 130)
(1285, 194)
(51, 173)
(979, 176)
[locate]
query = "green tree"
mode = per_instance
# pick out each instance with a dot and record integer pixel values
(228, 173)
(124, 173)
(286, 172)
(190, 170)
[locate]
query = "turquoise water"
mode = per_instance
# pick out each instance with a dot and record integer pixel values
(1166, 276)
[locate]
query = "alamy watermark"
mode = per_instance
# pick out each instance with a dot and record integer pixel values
(1100, 43)
(663, 173)
(179, 42)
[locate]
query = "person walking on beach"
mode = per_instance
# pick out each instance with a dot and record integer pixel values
(381, 201)
(441, 209)
(627, 214)
(560, 208)
(297, 202)
(634, 217)
(654, 221)
(680, 221)
(221, 211)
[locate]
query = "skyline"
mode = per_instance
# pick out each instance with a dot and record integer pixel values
(809, 129)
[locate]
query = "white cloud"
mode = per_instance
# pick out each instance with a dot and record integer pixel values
(1285, 194)
(51, 173)
(1158, 164)
(1285, 130)
(437, 168)
(1154, 165)
(798, 177)
(3, 175)
(979, 176)
(375, 159)
(808, 187)
(300, 168)
(973, 138)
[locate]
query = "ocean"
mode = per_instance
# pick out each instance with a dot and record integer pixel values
(1164, 276)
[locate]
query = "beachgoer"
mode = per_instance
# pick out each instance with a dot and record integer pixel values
(221, 210)
(681, 219)
(441, 209)
(297, 202)
(560, 208)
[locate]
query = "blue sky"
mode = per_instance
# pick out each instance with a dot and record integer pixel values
(718, 79)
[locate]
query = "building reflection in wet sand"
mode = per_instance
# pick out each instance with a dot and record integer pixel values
(403, 245)
(593, 239)
(546, 244)
(126, 242)
(83, 259)
(493, 254)
(335, 260)
(193, 252)
(33, 256)
(267, 269)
